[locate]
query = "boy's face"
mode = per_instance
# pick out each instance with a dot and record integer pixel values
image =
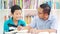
(41, 14)
(17, 14)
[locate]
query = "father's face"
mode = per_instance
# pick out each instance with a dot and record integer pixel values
(41, 14)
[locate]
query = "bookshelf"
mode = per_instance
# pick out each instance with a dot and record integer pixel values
(33, 5)
(29, 7)
(25, 4)
(29, 15)
(28, 4)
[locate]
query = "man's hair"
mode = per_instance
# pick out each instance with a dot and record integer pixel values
(46, 8)
(15, 7)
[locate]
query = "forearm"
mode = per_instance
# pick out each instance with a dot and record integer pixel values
(47, 30)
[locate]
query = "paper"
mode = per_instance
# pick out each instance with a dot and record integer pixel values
(44, 33)
(52, 33)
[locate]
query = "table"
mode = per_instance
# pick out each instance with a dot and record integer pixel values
(26, 32)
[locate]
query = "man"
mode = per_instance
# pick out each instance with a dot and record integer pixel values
(44, 22)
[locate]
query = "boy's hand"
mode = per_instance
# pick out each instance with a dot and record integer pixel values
(20, 28)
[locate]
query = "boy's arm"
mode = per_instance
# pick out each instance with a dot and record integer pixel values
(23, 23)
(6, 28)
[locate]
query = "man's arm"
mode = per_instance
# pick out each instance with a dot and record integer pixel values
(53, 26)
(47, 30)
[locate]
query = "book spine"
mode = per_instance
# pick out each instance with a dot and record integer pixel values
(21, 3)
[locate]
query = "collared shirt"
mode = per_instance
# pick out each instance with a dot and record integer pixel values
(41, 24)
(10, 21)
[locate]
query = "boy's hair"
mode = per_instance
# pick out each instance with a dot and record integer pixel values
(46, 8)
(15, 7)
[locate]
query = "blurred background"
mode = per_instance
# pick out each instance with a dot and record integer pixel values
(29, 9)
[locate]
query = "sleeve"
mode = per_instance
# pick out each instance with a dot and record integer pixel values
(33, 23)
(23, 23)
(54, 24)
(6, 28)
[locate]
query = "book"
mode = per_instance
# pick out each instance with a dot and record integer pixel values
(29, 19)
(32, 4)
(0, 4)
(26, 19)
(10, 3)
(14, 2)
(57, 5)
(26, 4)
(21, 3)
(4, 4)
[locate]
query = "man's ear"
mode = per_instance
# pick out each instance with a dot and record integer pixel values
(37, 8)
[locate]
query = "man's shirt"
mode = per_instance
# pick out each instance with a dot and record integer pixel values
(41, 24)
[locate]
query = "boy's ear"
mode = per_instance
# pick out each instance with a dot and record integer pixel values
(11, 14)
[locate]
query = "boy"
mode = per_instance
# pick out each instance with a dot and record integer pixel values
(15, 20)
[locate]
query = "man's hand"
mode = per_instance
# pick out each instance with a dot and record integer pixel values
(33, 31)
(37, 31)
(52, 30)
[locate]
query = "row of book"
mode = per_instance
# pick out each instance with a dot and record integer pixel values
(29, 15)
(28, 19)
(26, 4)
(6, 4)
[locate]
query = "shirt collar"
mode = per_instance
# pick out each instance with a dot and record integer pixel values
(49, 17)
